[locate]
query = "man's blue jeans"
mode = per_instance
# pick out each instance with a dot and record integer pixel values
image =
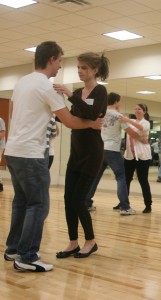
(115, 161)
(30, 207)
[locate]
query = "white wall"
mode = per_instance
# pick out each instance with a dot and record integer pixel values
(125, 63)
(9, 76)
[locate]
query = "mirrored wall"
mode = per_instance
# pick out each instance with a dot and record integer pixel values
(128, 89)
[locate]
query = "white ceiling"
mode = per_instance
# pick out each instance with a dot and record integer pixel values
(76, 28)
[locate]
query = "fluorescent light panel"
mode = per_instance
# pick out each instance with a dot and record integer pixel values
(145, 92)
(154, 77)
(32, 49)
(102, 82)
(17, 3)
(123, 35)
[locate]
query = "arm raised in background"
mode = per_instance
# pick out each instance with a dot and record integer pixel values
(134, 135)
(125, 119)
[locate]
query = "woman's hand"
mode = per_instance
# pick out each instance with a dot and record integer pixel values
(62, 89)
(124, 119)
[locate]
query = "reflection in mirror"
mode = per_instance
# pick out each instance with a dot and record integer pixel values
(128, 89)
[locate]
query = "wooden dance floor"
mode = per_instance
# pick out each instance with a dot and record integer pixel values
(126, 266)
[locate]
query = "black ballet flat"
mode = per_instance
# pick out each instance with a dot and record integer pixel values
(64, 254)
(83, 255)
(116, 207)
(147, 210)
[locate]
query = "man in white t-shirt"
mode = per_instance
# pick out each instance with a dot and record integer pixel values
(2, 146)
(33, 103)
(111, 135)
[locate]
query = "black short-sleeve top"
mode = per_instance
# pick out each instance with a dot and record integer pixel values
(86, 154)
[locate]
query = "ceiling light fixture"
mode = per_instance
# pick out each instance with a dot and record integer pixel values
(123, 35)
(102, 82)
(17, 3)
(32, 49)
(154, 77)
(145, 92)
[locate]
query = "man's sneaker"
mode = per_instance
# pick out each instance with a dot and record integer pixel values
(91, 208)
(128, 212)
(35, 266)
(12, 256)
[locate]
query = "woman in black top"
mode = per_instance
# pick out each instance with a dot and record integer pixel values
(86, 153)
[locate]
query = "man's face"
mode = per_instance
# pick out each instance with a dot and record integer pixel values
(118, 105)
(56, 64)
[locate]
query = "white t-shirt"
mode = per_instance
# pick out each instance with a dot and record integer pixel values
(142, 151)
(111, 130)
(34, 100)
(155, 147)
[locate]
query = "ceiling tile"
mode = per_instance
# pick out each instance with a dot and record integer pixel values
(42, 10)
(23, 18)
(74, 20)
(50, 25)
(6, 24)
(55, 36)
(4, 48)
(153, 17)
(76, 32)
(125, 23)
(100, 14)
(128, 8)
(29, 30)
(155, 4)
(80, 43)
(98, 28)
(149, 31)
(12, 35)
(77, 28)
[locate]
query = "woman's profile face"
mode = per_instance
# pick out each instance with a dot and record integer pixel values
(85, 72)
(139, 113)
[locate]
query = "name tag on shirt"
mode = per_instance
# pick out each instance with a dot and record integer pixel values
(89, 101)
